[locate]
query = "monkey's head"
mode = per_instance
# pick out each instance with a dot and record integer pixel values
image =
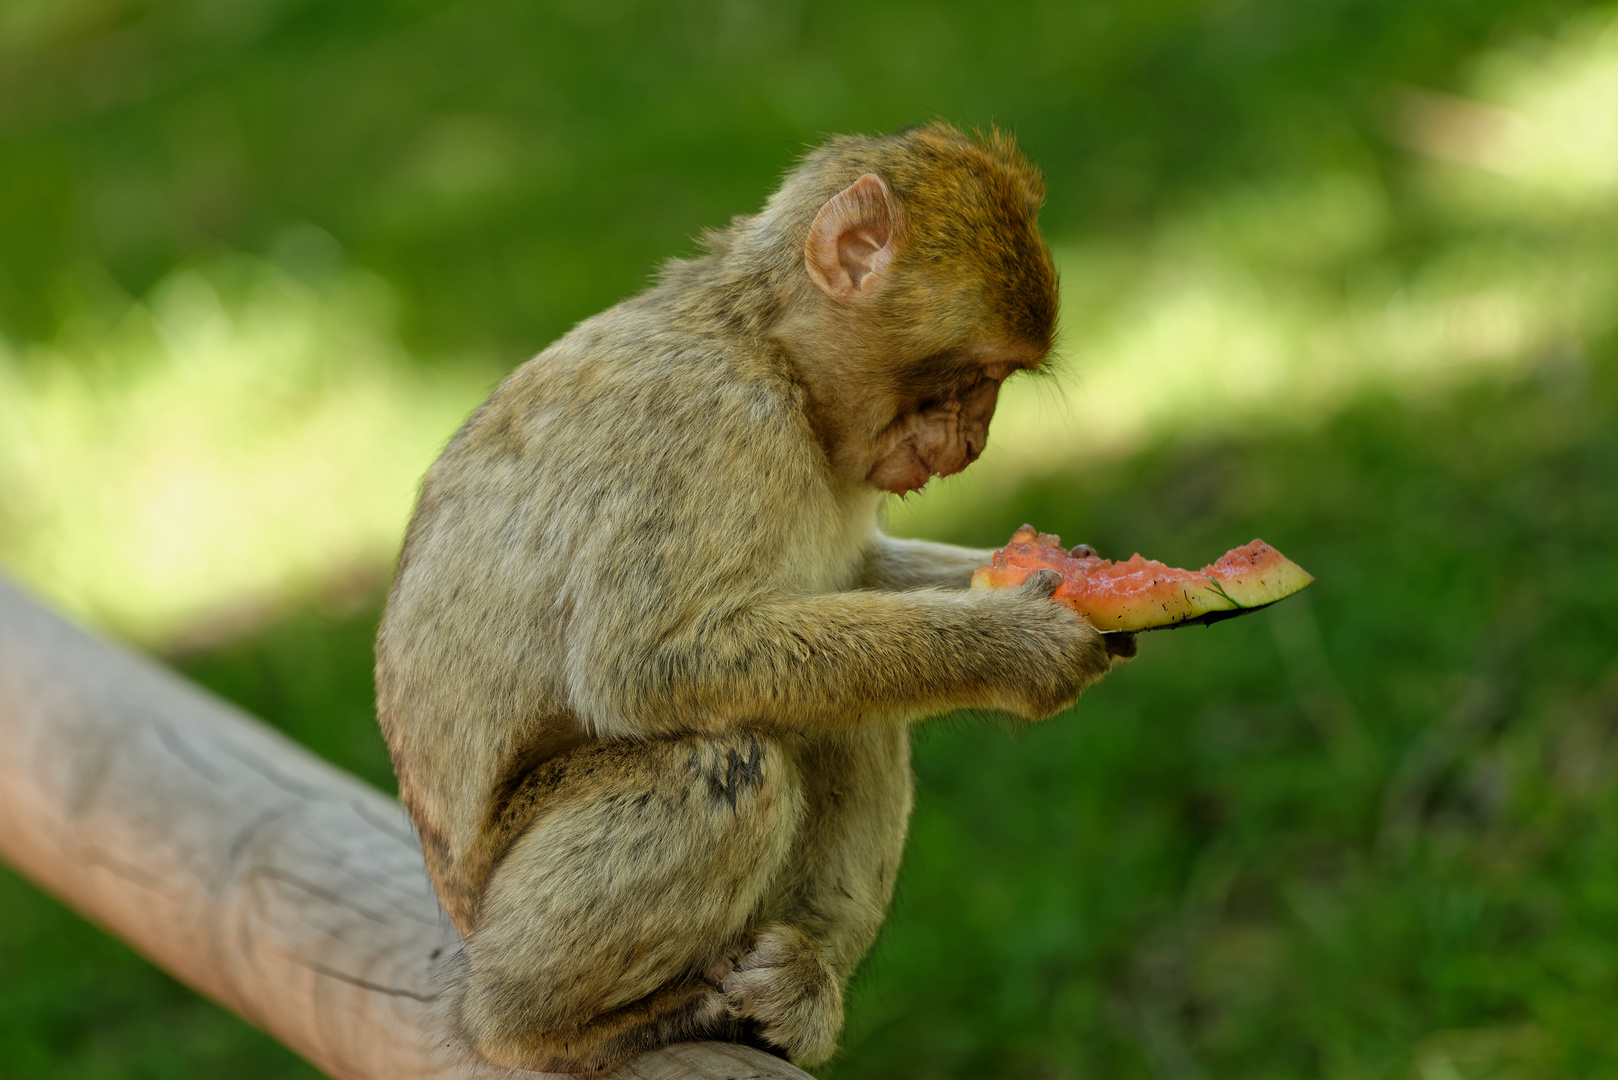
(922, 284)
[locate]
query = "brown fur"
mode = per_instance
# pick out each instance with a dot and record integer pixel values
(648, 663)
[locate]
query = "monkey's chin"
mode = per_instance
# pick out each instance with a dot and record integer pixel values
(900, 478)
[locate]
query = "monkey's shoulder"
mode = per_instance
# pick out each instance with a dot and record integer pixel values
(650, 395)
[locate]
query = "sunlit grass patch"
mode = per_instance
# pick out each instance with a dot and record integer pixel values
(1276, 304)
(243, 434)
(237, 437)
(1539, 138)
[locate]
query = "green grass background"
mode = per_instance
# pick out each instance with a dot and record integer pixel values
(1370, 833)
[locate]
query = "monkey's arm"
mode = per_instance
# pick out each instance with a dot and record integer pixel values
(897, 565)
(820, 662)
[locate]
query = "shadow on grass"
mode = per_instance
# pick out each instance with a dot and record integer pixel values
(1367, 833)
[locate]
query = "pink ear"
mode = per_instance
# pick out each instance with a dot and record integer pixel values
(850, 245)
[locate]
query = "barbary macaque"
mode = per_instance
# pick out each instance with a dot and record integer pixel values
(649, 663)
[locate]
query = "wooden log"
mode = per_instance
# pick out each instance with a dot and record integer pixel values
(283, 888)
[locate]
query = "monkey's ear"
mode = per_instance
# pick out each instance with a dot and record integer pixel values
(850, 245)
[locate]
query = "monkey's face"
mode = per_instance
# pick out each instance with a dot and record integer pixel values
(942, 431)
(918, 322)
(938, 439)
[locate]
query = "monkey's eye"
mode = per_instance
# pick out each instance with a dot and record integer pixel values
(1001, 370)
(935, 377)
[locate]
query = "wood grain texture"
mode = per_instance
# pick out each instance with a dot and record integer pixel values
(278, 885)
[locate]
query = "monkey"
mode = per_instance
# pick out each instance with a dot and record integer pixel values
(648, 665)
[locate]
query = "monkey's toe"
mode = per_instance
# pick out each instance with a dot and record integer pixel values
(720, 967)
(785, 987)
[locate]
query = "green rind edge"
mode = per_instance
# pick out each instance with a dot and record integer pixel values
(1208, 618)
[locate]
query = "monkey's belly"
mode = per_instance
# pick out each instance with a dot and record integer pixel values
(840, 873)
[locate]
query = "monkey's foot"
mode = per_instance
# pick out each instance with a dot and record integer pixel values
(722, 965)
(784, 986)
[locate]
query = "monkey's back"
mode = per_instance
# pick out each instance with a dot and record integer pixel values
(617, 490)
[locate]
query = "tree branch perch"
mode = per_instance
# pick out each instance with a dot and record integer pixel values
(283, 888)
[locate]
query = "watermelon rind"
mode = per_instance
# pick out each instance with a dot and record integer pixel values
(1254, 591)
(1263, 588)
(1207, 618)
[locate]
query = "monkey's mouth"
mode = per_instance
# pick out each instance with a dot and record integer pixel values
(900, 478)
(908, 468)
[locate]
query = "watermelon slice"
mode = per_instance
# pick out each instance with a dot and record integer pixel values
(1140, 594)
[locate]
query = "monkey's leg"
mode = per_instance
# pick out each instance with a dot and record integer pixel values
(642, 863)
(827, 905)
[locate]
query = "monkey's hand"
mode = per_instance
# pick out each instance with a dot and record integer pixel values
(1062, 653)
(784, 986)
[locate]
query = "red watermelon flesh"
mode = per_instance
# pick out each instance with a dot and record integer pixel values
(1142, 594)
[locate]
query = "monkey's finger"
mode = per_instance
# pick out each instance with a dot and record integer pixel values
(1042, 582)
(1120, 644)
(1083, 551)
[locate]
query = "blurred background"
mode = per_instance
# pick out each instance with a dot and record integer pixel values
(1340, 274)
